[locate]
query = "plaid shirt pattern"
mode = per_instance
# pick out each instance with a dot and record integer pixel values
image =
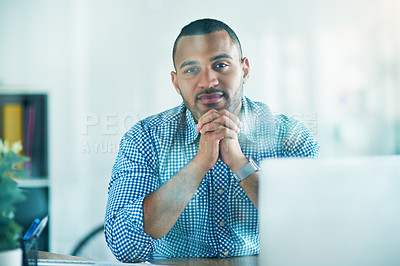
(220, 220)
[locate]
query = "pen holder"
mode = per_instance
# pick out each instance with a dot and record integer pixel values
(30, 252)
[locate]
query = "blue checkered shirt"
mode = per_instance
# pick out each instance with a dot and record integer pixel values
(220, 220)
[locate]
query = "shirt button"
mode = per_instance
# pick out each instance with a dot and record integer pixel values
(221, 191)
(226, 253)
(221, 223)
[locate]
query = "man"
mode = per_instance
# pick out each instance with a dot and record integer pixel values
(185, 182)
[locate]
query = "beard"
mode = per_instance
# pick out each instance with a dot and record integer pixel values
(231, 103)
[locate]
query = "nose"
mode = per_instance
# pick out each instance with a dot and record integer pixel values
(207, 79)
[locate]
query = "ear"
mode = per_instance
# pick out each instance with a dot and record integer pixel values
(174, 80)
(245, 69)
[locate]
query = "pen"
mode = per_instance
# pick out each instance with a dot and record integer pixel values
(31, 229)
(40, 227)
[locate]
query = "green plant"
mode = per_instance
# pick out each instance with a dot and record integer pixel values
(10, 169)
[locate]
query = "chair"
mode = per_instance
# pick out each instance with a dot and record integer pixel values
(94, 246)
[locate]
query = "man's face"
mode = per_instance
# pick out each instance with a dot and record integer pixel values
(209, 73)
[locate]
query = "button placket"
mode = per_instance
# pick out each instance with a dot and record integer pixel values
(221, 183)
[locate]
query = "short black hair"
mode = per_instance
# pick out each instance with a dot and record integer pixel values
(203, 27)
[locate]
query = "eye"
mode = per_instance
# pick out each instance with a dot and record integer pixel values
(221, 65)
(191, 70)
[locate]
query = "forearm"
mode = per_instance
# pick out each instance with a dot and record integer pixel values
(250, 187)
(162, 208)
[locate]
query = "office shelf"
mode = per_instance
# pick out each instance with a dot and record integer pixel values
(33, 182)
(23, 117)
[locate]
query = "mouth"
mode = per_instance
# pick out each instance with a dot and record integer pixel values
(210, 98)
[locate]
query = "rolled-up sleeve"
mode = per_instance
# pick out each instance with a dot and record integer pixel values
(133, 177)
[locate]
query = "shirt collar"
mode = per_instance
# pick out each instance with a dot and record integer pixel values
(191, 133)
(249, 122)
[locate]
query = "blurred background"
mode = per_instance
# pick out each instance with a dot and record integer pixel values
(105, 64)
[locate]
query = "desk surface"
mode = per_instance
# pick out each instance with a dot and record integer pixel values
(54, 256)
(238, 261)
(246, 260)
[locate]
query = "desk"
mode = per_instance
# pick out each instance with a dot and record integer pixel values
(235, 261)
(54, 256)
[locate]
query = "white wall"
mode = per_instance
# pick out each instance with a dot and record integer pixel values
(106, 64)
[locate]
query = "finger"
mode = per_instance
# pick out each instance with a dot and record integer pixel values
(222, 121)
(210, 127)
(220, 132)
(224, 132)
(231, 116)
(213, 114)
(207, 118)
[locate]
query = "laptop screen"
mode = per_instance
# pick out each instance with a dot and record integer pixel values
(330, 211)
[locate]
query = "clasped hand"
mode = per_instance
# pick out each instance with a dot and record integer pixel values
(219, 139)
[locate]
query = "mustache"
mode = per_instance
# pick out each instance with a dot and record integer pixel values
(209, 91)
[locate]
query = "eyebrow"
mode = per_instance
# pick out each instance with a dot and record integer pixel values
(188, 63)
(214, 58)
(220, 56)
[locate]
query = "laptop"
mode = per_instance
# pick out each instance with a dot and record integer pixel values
(342, 211)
